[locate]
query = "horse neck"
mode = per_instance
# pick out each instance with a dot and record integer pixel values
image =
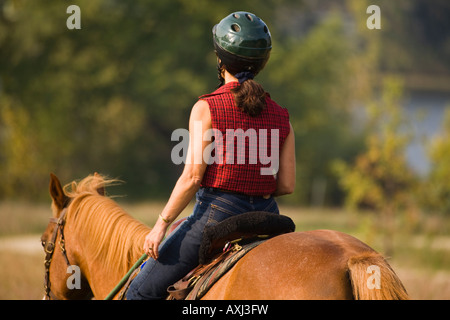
(108, 242)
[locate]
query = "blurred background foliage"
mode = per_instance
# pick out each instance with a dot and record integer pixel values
(107, 98)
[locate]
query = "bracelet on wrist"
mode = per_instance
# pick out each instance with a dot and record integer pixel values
(163, 219)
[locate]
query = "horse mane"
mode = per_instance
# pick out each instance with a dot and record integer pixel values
(111, 235)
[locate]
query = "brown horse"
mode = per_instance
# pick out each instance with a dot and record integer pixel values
(103, 241)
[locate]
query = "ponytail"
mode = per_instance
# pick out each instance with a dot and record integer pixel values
(250, 97)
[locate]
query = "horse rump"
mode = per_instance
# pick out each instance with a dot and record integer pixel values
(372, 278)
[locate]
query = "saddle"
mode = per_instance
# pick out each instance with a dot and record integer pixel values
(223, 245)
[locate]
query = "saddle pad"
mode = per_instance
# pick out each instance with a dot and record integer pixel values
(209, 279)
(245, 225)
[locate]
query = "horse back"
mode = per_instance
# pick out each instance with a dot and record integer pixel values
(297, 265)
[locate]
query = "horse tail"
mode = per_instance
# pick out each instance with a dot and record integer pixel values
(372, 278)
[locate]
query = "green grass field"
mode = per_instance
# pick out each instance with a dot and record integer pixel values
(420, 256)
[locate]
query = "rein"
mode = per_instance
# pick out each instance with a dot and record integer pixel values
(49, 248)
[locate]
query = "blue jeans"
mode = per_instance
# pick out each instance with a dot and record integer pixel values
(178, 253)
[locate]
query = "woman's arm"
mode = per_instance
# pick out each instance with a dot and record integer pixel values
(189, 181)
(286, 172)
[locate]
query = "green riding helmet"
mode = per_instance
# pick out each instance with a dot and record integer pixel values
(242, 42)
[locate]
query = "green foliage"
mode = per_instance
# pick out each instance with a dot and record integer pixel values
(313, 74)
(380, 177)
(436, 189)
(106, 98)
(97, 99)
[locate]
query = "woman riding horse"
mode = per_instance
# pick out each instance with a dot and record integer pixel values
(239, 179)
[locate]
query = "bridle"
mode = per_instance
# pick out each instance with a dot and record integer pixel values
(49, 248)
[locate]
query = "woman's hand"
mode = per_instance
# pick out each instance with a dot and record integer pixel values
(154, 239)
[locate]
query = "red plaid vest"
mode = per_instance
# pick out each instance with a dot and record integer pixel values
(242, 158)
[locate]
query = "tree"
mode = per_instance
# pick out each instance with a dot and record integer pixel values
(312, 75)
(436, 189)
(380, 178)
(107, 97)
